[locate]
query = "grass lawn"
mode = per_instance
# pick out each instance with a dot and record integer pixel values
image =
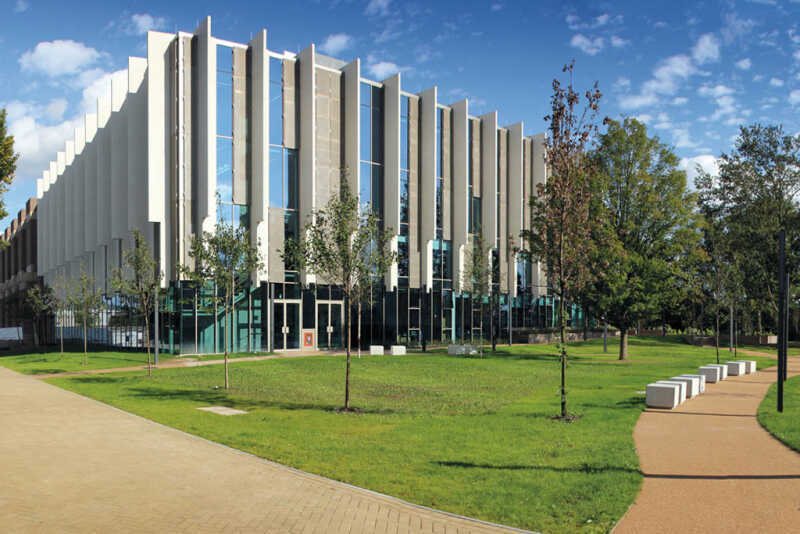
(783, 426)
(36, 363)
(467, 435)
(51, 362)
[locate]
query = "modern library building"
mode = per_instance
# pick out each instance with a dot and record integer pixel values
(205, 130)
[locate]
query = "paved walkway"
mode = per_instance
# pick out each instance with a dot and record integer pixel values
(710, 467)
(71, 464)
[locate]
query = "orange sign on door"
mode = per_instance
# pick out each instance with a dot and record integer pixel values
(308, 339)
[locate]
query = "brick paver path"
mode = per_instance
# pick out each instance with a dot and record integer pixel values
(71, 464)
(710, 467)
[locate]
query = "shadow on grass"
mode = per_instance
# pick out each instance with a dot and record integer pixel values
(221, 398)
(583, 468)
(96, 379)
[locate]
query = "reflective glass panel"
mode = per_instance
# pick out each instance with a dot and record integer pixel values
(275, 114)
(366, 135)
(291, 180)
(225, 104)
(224, 213)
(377, 135)
(365, 185)
(225, 169)
(404, 196)
(366, 92)
(276, 177)
(377, 190)
(224, 58)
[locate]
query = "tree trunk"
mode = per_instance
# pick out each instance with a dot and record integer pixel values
(481, 336)
(35, 334)
(491, 323)
(623, 343)
(85, 356)
(359, 327)
(147, 341)
(349, 347)
(61, 329)
(563, 356)
(225, 342)
(730, 324)
(716, 336)
(605, 336)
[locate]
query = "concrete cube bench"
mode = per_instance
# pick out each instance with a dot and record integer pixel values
(462, 349)
(701, 381)
(692, 385)
(723, 370)
(749, 366)
(735, 368)
(662, 395)
(398, 350)
(712, 373)
(376, 350)
(682, 390)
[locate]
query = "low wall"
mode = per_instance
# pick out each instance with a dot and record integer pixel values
(724, 341)
(572, 335)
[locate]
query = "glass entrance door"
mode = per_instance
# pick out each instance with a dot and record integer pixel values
(329, 324)
(286, 325)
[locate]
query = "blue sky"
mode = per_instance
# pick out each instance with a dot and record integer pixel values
(693, 71)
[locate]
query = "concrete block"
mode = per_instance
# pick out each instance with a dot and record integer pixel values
(398, 350)
(682, 386)
(701, 381)
(723, 369)
(659, 395)
(376, 350)
(692, 385)
(736, 368)
(749, 366)
(455, 349)
(712, 373)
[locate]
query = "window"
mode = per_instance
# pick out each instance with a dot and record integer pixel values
(370, 188)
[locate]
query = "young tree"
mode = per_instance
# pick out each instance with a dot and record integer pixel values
(560, 221)
(343, 245)
(40, 302)
(86, 302)
(140, 279)
(476, 276)
(60, 305)
(227, 259)
(8, 161)
(648, 209)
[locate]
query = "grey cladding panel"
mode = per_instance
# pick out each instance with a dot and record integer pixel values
(276, 239)
(447, 188)
(475, 124)
(328, 135)
(290, 94)
(502, 216)
(413, 195)
(239, 126)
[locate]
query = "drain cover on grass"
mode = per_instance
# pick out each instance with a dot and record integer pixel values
(222, 410)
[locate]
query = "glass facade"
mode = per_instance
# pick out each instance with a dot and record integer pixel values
(371, 150)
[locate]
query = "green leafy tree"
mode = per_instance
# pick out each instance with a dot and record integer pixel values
(227, 259)
(343, 245)
(560, 221)
(752, 199)
(648, 211)
(60, 306)
(140, 279)
(40, 301)
(86, 302)
(8, 162)
(476, 276)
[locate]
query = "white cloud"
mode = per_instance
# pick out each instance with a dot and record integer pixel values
(637, 101)
(56, 108)
(378, 7)
(715, 91)
(38, 143)
(758, 77)
(383, 69)
(99, 84)
(141, 23)
(58, 58)
(776, 82)
(796, 55)
(744, 64)
(574, 21)
(706, 49)
(497, 7)
(682, 139)
(668, 74)
(336, 43)
(21, 6)
(679, 101)
(622, 83)
(602, 20)
(706, 162)
(587, 45)
(794, 98)
(618, 42)
(735, 28)
(644, 117)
